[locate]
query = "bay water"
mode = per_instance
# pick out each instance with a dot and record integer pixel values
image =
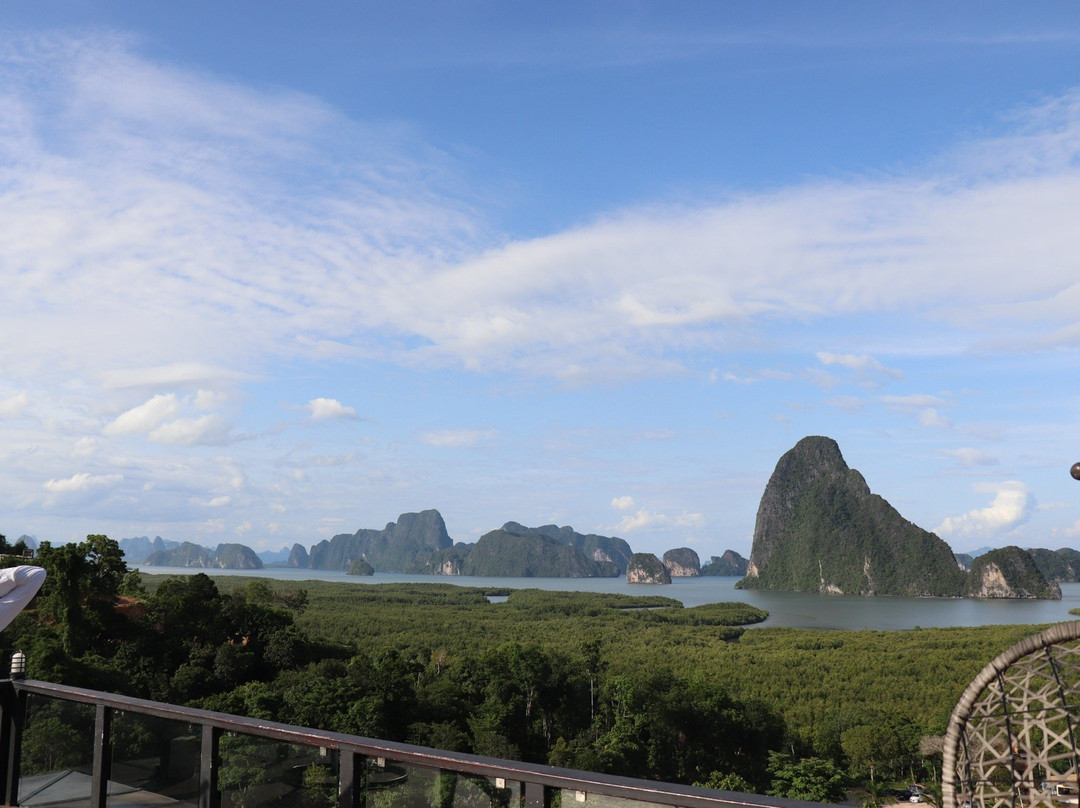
(792, 609)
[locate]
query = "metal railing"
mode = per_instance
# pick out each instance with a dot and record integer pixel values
(238, 762)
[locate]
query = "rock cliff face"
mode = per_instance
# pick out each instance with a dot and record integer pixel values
(611, 553)
(1057, 566)
(820, 529)
(1009, 573)
(298, 557)
(500, 553)
(682, 562)
(226, 557)
(646, 568)
(391, 549)
(730, 563)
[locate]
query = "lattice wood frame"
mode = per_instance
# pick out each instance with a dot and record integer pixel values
(1011, 741)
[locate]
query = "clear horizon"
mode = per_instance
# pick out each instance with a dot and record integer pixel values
(272, 277)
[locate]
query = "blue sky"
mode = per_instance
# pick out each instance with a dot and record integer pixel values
(273, 272)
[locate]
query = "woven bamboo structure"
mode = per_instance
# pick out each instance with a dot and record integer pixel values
(1011, 741)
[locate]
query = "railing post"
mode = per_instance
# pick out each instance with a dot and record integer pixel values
(99, 788)
(351, 783)
(210, 761)
(11, 728)
(537, 795)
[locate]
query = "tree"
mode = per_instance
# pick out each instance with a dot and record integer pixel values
(807, 779)
(81, 590)
(867, 746)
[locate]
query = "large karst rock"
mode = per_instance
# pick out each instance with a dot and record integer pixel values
(646, 568)
(610, 553)
(820, 529)
(730, 563)
(1057, 566)
(225, 556)
(527, 555)
(392, 549)
(1009, 573)
(682, 562)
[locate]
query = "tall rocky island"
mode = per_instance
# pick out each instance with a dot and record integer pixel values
(820, 529)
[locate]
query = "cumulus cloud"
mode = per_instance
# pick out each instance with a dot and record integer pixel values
(145, 417)
(622, 503)
(457, 438)
(1011, 506)
(644, 518)
(80, 482)
(326, 408)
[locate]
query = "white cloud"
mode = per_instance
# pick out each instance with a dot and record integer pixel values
(209, 399)
(860, 363)
(847, 403)
(913, 402)
(209, 430)
(457, 438)
(324, 408)
(930, 417)
(1010, 508)
(644, 518)
(15, 405)
(84, 447)
(173, 374)
(169, 193)
(145, 417)
(622, 503)
(218, 502)
(971, 457)
(80, 482)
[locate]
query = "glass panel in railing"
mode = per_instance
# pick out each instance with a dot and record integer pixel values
(154, 758)
(570, 798)
(57, 752)
(257, 772)
(397, 785)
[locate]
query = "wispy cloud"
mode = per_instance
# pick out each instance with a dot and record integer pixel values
(183, 239)
(457, 438)
(967, 456)
(861, 364)
(80, 482)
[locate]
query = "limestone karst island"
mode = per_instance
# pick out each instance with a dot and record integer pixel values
(819, 528)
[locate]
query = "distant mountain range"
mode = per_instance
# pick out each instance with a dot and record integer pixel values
(419, 543)
(819, 529)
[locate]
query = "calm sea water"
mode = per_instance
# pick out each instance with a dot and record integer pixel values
(794, 609)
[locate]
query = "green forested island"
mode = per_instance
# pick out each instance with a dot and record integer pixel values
(820, 529)
(611, 683)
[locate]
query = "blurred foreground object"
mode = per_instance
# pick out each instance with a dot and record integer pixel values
(1075, 471)
(1011, 740)
(17, 586)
